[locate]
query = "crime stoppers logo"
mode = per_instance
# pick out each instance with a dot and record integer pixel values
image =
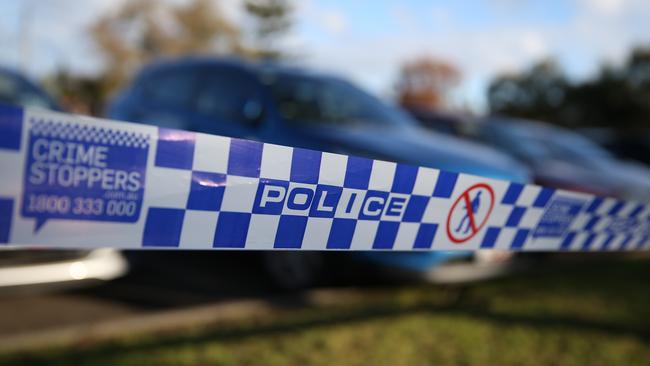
(470, 212)
(83, 172)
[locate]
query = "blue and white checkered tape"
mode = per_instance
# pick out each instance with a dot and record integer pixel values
(71, 181)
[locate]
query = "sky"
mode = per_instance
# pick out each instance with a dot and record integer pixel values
(367, 41)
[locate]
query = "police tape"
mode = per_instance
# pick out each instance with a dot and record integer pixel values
(81, 182)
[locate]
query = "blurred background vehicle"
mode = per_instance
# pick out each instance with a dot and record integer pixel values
(564, 159)
(633, 145)
(295, 107)
(39, 269)
(557, 157)
(16, 89)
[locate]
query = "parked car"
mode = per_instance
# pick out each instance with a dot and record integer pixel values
(564, 159)
(47, 269)
(633, 145)
(295, 107)
(16, 89)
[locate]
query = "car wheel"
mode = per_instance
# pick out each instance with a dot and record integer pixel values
(293, 270)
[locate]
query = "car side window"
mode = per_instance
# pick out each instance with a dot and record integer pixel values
(172, 88)
(228, 95)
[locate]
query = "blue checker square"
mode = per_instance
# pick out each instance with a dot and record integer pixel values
(11, 126)
(326, 199)
(357, 173)
(415, 208)
(270, 196)
(341, 233)
(490, 238)
(163, 227)
(206, 191)
(512, 194)
(425, 235)
(568, 240)
(520, 239)
(6, 213)
(386, 234)
(616, 208)
(445, 184)
(515, 216)
(232, 229)
(245, 158)
(291, 230)
(305, 166)
(543, 197)
(587, 243)
(373, 204)
(404, 179)
(637, 210)
(593, 206)
(175, 149)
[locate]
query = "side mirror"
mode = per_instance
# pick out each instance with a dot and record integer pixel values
(252, 111)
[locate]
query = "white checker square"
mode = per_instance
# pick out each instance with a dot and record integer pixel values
(505, 238)
(607, 205)
(276, 162)
(579, 240)
(602, 223)
(436, 211)
(382, 175)
(395, 204)
(627, 209)
(198, 229)
(350, 203)
(317, 233)
(170, 188)
(531, 218)
(261, 231)
(598, 242)
(500, 215)
(528, 196)
(425, 182)
(298, 198)
(211, 153)
(11, 161)
(332, 169)
(239, 194)
(406, 236)
(364, 235)
(580, 221)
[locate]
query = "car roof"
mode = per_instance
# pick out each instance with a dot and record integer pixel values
(252, 66)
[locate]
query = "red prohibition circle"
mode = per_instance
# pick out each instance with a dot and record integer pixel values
(475, 228)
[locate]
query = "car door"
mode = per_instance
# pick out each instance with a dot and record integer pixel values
(164, 97)
(229, 101)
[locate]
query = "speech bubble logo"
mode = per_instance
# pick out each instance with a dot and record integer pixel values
(75, 171)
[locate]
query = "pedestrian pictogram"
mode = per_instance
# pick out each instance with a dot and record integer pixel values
(470, 212)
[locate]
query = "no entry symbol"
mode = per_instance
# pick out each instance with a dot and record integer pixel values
(470, 212)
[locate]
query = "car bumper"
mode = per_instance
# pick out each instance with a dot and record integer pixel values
(100, 264)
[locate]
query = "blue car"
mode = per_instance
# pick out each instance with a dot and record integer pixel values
(295, 107)
(15, 89)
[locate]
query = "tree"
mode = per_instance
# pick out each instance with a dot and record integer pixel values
(425, 83)
(143, 30)
(617, 97)
(271, 20)
(536, 93)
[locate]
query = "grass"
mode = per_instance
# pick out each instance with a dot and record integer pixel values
(593, 313)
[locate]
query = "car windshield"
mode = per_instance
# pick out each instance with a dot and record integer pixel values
(304, 99)
(550, 143)
(17, 92)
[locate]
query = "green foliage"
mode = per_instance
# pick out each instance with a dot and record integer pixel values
(594, 313)
(617, 98)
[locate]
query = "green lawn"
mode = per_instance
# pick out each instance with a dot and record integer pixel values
(594, 313)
